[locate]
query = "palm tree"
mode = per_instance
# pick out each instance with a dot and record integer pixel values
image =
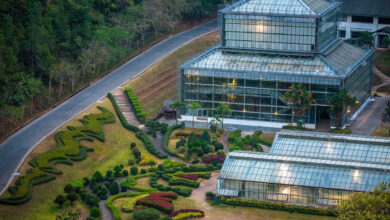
(178, 105)
(223, 110)
(194, 106)
(339, 102)
(300, 99)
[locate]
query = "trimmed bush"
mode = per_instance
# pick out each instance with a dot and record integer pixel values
(138, 111)
(188, 215)
(278, 206)
(111, 206)
(146, 214)
(114, 188)
(128, 205)
(219, 158)
(166, 139)
(95, 212)
(149, 145)
(121, 116)
(134, 171)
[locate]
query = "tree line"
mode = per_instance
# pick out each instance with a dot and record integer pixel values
(50, 48)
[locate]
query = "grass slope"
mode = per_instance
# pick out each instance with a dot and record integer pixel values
(383, 62)
(158, 83)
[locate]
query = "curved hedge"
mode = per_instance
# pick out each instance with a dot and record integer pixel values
(130, 182)
(121, 116)
(149, 145)
(114, 210)
(166, 140)
(24, 190)
(278, 206)
(68, 149)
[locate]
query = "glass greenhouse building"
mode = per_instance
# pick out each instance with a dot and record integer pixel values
(267, 46)
(307, 168)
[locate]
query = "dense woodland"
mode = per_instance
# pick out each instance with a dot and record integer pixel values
(51, 48)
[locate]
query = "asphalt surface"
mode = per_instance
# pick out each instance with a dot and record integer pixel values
(370, 118)
(18, 146)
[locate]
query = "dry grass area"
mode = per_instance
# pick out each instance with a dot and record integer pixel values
(381, 132)
(115, 150)
(268, 136)
(158, 83)
(384, 89)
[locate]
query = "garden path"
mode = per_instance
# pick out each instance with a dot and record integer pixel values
(158, 142)
(124, 105)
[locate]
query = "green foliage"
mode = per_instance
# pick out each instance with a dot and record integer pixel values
(367, 205)
(146, 214)
(235, 134)
(339, 103)
(121, 116)
(206, 137)
(128, 205)
(278, 206)
(111, 206)
(166, 139)
(95, 212)
(60, 199)
(188, 215)
(72, 196)
(149, 145)
(300, 98)
(131, 181)
(114, 188)
(98, 176)
(139, 112)
(74, 182)
(134, 171)
(168, 163)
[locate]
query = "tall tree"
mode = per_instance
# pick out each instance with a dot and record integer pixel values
(223, 110)
(193, 107)
(300, 99)
(339, 103)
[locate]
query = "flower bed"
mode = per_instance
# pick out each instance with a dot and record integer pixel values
(219, 158)
(159, 201)
(189, 176)
(180, 211)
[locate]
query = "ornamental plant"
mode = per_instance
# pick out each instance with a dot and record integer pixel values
(189, 176)
(219, 158)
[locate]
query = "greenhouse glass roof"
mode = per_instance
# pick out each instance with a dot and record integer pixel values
(280, 7)
(332, 146)
(252, 62)
(303, 171)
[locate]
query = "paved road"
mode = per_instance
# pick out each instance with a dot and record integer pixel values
(370, 118)
(16, 147)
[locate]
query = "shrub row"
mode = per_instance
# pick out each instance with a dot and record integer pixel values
(189, 176)
(146, 214)
(168, 163)
(139, 112)
(130, 182)
(278, 206)
(121, 116)
(188, 215)
(219, 158)
(166, 139)
(149, 145)
(111, 206)
(24, 188)
(180, 211)
(159, 201)
(128, 205)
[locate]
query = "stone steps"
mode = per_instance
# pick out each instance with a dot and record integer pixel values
(126, 109)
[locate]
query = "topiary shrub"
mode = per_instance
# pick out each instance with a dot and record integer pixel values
(134, 171)
(146, 214)
(143, 171)
(114, 188)
(95, 212)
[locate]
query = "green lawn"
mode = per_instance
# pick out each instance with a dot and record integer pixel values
(381, 132)
(383, 62)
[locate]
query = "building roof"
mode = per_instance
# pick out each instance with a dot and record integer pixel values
(336, 62)
(280, 7)
(385, 29)
(367, 7)
(332, 146)
(303, 171)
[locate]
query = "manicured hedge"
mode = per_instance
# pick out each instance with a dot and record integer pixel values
(166, 140)
(219, 158)
(139, 112)
(128, 205)
(111, 206)
(278, 206)
(149, 145)
(159, 201)
(130, 182)
(146, 214)
(24, 189)
(168, 163)
(188, 215)
(121, 116)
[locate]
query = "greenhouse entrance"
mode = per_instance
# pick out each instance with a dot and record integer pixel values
(323, 118)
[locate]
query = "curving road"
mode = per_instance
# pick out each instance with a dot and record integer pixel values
(18, 146)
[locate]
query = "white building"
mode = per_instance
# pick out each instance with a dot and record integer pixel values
(365, 15)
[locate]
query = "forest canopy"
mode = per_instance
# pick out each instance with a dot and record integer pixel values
(49, 48)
